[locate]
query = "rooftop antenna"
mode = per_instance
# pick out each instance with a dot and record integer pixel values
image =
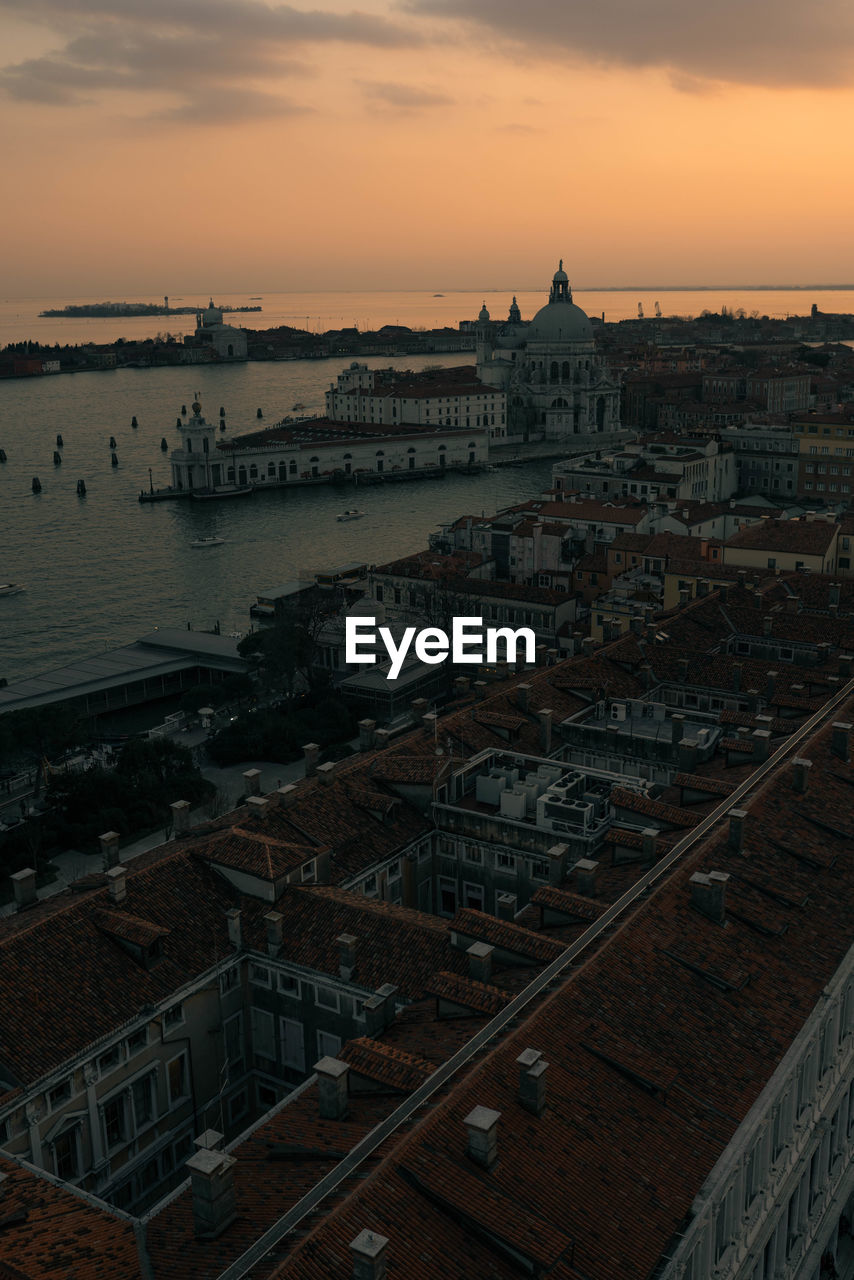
(640, 311)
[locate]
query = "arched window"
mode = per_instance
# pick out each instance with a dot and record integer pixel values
(271, 470)
(292, 467)
(564, 371)
(283, 471)
(560, 403)
(600, 413)
(442, 448)
(230, 475)
(253, 472)
(380, 453)
(411, 449)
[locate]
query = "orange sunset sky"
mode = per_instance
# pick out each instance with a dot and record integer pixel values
(237, 145)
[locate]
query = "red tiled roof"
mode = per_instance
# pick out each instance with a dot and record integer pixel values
(503, 934)
(459, 989)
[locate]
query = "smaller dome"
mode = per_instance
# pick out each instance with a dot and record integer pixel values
(484, 314)
(560, 276)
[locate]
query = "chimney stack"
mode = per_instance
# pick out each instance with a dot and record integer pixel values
(506, 906)
(311, 751)
(480, 688)
(430, 721)
(845, 664)
(480, 961)
(287, 795)
(523, 693)
(708, 894)
(703, 587)
(801, 775)
(366, 734)
(180, 817)
(684, 665)
(587, 646)
(235, 932)
(24, 885)
(737, 819)
(110, 848)
(482, 1126)
(545, 718)
(793, 604)
(258, 806)
(374, 1011)
(252, 781)
(532, 1081)
(736, 676)
(419, 708)
(212, 1180)
(117, 883)
(346, 956)
(688, 755)
(369, 1256)
(761, 744)
(274, 920)
(770, 686)
(839, 742)
(461, 686)
(332, 1091)
(677, 727)
(326, 772)
(585, 877)
(767, 624)
(649, 838)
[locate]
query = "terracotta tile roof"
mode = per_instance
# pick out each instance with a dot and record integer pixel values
(254, 852)
(385, 1064)
(740, 746)
(480, 997)
(696, 782)
(572, 905)
(809, 537)
(128, 928)
(50, 1233)
(503, 934)
(415, 770)
(622, 798)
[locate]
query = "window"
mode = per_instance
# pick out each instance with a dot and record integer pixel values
(394, 869)
(142, 1095)
(229, 980)
(115, 1121)
(260, 976)
(308, 870)
(66, 1154)
(138, 1041)
(60, 1094)
(328, 1045)
(293, 1043)
(176, 1075)
(539, 869)
(289, 986)
(471, 853)
(369, 886)
(238, 1106)
(173, 1017)
(506, 861)
(263, 1042)
(110, 1060)
(234, 1047)
(267, 1097)
(326, 998)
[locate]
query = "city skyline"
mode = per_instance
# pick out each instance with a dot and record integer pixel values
(421, 145)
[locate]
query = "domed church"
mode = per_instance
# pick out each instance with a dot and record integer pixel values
(557, 387)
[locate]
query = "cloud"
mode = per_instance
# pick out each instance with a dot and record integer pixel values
(405, 97)
(758, 42)
(208, 54)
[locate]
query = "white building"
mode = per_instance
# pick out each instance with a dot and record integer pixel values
(228, 343)
(453, 397)
(557, 387)
(660, 468)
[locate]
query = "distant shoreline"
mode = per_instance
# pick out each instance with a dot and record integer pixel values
(107, 310)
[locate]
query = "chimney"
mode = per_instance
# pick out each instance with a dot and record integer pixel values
(369, 1260)
(540, 655)
(505, 905)
(649, 836)
(757, 599)
(767, 624)
(840, 739)
(480, 688)
(287, 795)
(419, 708)
(258, 806)
(585, 877)
(557, 856)
(708, 894)
(688, 755)
(647, 675)
(553, 656)
(252, 782)
(210, 1140)
(677, 727)
(346, 955)
(326, 772)
(382, 737)
(532, 1081)
(636, 625)
(482, 1126)
(587, 646)
(430, 721)
(770, 686)
(703, 587)
(801, 775)
(117, 883)
(461, 686)
(180, 817)
(845, 665)
(793, 604)
(110, 848)
(311, 751)
(235, 932)
(387, 994)
(366, 734)
(834, 594)
(684, 597)
(274, 921)
(684, 668)
(761, 744)
(24, 884)
(545, 718)
(724, 593)
(332, 1094)
(737, 819)
(374, 1011)
(523, 693)
(742, 577)
(480, 961)
(212, 1180)
(736, 676)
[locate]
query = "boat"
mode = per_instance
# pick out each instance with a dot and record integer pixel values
(10, 588)
(352, 513)
(224, 491)
(207, 542)
(295, 408)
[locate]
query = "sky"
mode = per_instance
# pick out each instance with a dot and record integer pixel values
(153, 146)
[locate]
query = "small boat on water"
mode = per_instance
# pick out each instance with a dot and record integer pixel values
(10, 588)
(295, 408)
(207, 542)
(224, 491)
(352, 513)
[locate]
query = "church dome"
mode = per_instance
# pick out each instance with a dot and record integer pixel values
(560, 322)
(483, 316)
